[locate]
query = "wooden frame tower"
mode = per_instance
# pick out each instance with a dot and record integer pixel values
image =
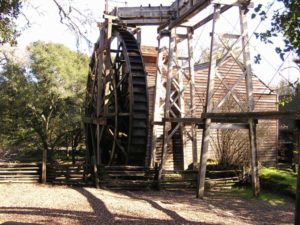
(174, 113)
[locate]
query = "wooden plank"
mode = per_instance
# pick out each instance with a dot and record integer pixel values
(187, 12)
(181, 101)
(93, 158)
(230, 126)
(297, 207)
(133, 13)
(157, 99)
(99, 109)
(254, 161)
(96, 121)
(210, 17)
(191, 62)
(184, 120)
(230, 91)
(240, 3)
(167, 125)
(20, 172)
(267, 115)
(19, 164)
(209, 105)
(250, 102)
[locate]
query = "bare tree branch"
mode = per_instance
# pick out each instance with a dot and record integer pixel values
(74, 19)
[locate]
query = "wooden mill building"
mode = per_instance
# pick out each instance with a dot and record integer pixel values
(181, 156)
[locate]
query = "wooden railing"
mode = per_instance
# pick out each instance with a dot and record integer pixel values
(20, 172)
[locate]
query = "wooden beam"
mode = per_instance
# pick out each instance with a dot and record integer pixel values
(139, 36)
(209, 104)
(192, 108)
(254, 161)
(93, 158)
(201, 121)
(230, 126)
(184, 120)
(96, 121)
(157, 100)
(297, 207)
(240, 3)
(144, 22)
(250, 101)
(100, 61)
(153, 15)
(106, 6)
(187, 12)
(167, 125)
(209, 18)
(226, 2)
(270, 115)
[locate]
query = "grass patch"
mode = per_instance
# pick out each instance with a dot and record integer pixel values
(278, 181)
(271, 198)
(276, 186)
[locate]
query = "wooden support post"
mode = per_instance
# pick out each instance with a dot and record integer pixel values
(254, 162)
(157, 99)
(181, 102)
(192, 93)
(44, 166)
(297, 207)
(167, 124)
(106, 6)
(99, 56)
(250, 102)
(208, 105)
(139, 36)
(93, 158)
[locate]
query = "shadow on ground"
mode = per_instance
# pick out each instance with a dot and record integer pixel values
(222, 205)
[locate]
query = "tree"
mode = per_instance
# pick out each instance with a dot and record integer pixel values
(286, 21)
(9, 11)
(77, 20)
(45, 98)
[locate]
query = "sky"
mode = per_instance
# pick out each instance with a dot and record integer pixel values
(46, 26)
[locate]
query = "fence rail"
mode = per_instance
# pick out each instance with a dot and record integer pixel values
(20, 172)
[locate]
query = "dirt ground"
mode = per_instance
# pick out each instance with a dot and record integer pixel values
(22, 204)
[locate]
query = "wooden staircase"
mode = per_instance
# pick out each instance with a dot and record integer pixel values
(139, 178)
(116, 177)
(126, 178)
(222, 179)
(19, 172)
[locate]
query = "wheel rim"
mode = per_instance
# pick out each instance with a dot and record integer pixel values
(123, 140)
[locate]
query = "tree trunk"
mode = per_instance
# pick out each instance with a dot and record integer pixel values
(297, 208)
(44, 164)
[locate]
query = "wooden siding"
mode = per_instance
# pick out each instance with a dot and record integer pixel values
(264, 98)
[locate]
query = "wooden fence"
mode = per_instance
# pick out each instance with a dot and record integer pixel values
(122, 177)
(20, 172)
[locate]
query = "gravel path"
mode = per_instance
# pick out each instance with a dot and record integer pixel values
(22, 204)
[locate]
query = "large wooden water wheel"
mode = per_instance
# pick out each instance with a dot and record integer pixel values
(122, 101)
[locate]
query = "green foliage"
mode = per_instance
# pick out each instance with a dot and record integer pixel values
(9, 11)
(276, 186)
(271, 198)
(280, 178)
(285, 21)
(43, 101)
(287, 92)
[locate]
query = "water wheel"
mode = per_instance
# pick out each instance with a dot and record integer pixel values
(121, 94)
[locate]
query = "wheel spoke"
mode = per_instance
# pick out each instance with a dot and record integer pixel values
(124, 97)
